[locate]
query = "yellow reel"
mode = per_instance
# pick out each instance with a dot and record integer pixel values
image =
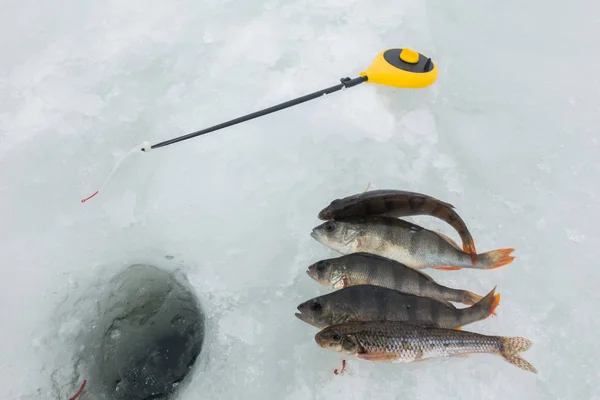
(401, 68)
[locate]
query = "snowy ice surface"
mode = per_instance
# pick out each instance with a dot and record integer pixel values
(510, 134)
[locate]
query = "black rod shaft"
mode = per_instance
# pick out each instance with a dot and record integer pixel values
(346, 83)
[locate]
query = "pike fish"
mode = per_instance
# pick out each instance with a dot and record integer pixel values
(369, 269)
(402, 241)
(398, 203)
(398, 342)
(376, 303)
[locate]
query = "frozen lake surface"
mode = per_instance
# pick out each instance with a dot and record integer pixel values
(509, 134)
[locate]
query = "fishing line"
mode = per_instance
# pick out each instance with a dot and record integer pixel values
(144, 147)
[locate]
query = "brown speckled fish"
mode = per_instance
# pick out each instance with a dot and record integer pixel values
(369, 269)
(398, 342)
(399, 203)
(376, 303)
(402, 241)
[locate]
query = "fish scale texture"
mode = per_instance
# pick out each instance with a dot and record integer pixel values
(413, 344)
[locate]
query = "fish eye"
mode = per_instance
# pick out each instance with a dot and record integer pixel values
(336, 337)
(329, 226)
(321, 265)
(315, 305)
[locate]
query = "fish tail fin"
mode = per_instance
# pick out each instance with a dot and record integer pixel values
(510, 349)
(487, 305)
(495, 304)
(470, 298)
(480, 310)
(494, 259)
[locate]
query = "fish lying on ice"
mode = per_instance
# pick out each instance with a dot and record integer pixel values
(398, 203)
(398, 342)
(376, 303)
(369, 269)
(402, 241)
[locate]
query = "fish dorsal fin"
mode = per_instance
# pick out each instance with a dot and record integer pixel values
(374, 257)
(450, 240)
(393, 193)
(401, 222)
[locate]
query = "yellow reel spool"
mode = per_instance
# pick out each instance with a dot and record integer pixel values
(401, 68)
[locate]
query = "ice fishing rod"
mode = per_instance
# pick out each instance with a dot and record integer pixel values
(401, 68)
(398, 67)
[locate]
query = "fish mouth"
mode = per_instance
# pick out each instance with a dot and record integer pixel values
(324, 215)
(321, 341)
(302, 317)
(313, 234)
(312, 271)
(307, 318)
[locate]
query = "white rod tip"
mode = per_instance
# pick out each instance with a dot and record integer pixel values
(146, 147)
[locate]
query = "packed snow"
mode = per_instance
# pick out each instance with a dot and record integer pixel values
(509, 134)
